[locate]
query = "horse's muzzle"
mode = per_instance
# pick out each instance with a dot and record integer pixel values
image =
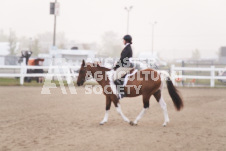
(80, 83)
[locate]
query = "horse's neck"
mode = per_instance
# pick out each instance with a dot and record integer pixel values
(93, 70)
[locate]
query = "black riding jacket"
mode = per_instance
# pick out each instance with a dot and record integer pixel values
(124, 58)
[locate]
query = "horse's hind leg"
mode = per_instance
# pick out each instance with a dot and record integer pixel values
(108, 105)
(163, 105)
(146, 99)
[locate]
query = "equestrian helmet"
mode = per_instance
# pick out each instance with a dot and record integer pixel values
(128, 38)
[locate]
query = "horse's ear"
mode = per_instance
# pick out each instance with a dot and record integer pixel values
(98, 65)
(83, 62)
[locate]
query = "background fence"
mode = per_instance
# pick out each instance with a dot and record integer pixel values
(178, 74)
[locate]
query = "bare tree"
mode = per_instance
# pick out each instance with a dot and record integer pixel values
(12, 42)
(35, 47)
(3, 37)
(111, 45)
(24, 43)
(196, 54)
(45, 41)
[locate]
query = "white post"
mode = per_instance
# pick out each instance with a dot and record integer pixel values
(22, 71)
(172, 73)
(212, 80)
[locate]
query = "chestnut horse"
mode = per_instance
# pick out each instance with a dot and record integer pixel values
(142, 84)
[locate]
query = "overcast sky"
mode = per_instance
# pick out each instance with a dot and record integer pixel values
(182, 25)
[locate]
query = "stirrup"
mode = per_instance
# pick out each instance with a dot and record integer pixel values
(118, 82)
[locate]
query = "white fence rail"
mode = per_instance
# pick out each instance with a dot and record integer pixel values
(212, 70)
(53, 71)
(70, 72)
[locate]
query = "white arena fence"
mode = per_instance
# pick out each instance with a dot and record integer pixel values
(68, 71)
(63, 70)
(212, 77)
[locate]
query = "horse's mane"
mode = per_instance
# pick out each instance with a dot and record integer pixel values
(98, 66)
(107, 69)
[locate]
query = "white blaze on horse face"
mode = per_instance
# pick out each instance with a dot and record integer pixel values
(118, 109)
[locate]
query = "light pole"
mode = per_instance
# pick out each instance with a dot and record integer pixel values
(54, 31)
(153, 28)
(128, 9)
(30, 43)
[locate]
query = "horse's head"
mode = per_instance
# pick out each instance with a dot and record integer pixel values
(88, 70)
(82, 74)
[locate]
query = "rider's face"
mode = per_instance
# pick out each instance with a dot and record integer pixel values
(124, 41)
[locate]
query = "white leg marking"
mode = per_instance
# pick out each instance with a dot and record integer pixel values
(105, 118)
(120, 112)
(140, 116)
(164, 108)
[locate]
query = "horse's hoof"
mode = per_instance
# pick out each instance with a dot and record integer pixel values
(164, 124)
(132, 123)
(102, 123)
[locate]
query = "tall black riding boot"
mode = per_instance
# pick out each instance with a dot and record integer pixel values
(120, 88)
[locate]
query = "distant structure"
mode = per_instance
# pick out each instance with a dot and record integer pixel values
(222, 55)
(73, 56)
(5, 57)
(4, 48)
(74, 48)
(152, 58)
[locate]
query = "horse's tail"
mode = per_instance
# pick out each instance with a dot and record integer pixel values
(173, 92)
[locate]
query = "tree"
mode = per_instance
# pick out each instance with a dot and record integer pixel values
(35, 47)
(12, 42)
(111, 45)
(3, 37)
(196, 54)
(46, 41)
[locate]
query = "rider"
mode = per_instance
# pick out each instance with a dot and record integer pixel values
(124, 64)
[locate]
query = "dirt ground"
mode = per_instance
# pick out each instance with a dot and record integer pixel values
(70, 122)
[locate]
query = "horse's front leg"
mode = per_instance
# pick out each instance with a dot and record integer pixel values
(119, 110)
(108, 106)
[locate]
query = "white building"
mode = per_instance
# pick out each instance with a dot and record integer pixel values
(73, 56)
(4, 54)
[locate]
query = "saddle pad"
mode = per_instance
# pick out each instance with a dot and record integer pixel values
(120, 72)
(128, 75)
